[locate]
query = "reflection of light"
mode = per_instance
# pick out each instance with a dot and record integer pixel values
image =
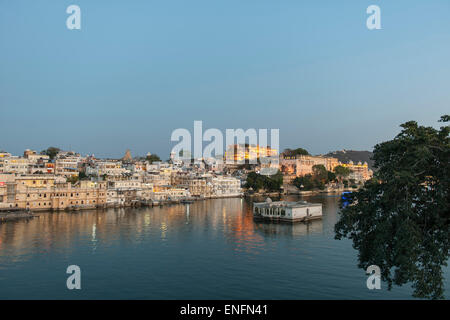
(187, 214)
(163, 229)
(147, 220)
(94, 229)
(94, 239)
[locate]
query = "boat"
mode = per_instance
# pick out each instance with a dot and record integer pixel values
(345, 199)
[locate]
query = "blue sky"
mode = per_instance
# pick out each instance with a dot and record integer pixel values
(137, 70)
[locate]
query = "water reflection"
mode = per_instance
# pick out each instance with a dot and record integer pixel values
(292, 230)
(215, 242)
(60, 231)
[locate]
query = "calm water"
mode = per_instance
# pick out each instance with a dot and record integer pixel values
(207, 250)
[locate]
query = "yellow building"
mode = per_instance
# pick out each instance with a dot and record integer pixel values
(301, 165)
(241, 153)
(360, 171)
(48, 193)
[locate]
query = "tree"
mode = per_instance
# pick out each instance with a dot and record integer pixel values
(254, 182)
(316, 180)
(82, 176)
(292, 153)
(399, 220)
(305, 182)
(153, 158)
(73, 179)
(51, 152)
(342, 172)
(269, 183)
(320, 173)
(331, 176)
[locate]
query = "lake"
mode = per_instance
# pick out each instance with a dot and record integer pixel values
(209, 249)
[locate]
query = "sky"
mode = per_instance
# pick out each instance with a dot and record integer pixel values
(138, 70)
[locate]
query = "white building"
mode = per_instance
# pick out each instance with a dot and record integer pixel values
(226, 187)
(287, 211)
(14, 164)
(66, 164)
(109, 168)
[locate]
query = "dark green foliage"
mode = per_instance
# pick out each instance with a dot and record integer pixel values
(320, 173)
(73, 179)
(82, 176)
(331, 176)
(400, 219)
(51, 152)
(268, 183)
(153, 158)
(295, 152)
(345, 156)
(317, 180)
(305, 182)
(342, 172)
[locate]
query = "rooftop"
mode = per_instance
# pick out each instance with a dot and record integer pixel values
(286, 204)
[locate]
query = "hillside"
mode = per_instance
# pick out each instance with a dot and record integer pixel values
(353, 155)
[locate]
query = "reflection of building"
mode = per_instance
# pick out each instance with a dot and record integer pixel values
(291, 230)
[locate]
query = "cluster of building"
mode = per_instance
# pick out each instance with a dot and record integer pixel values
(300, 165)
(71, 181)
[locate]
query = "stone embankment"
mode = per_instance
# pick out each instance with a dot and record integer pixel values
(12, 215)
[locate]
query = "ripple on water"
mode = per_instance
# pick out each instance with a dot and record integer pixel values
(208, 250)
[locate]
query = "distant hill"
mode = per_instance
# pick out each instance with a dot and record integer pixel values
(353, 155)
